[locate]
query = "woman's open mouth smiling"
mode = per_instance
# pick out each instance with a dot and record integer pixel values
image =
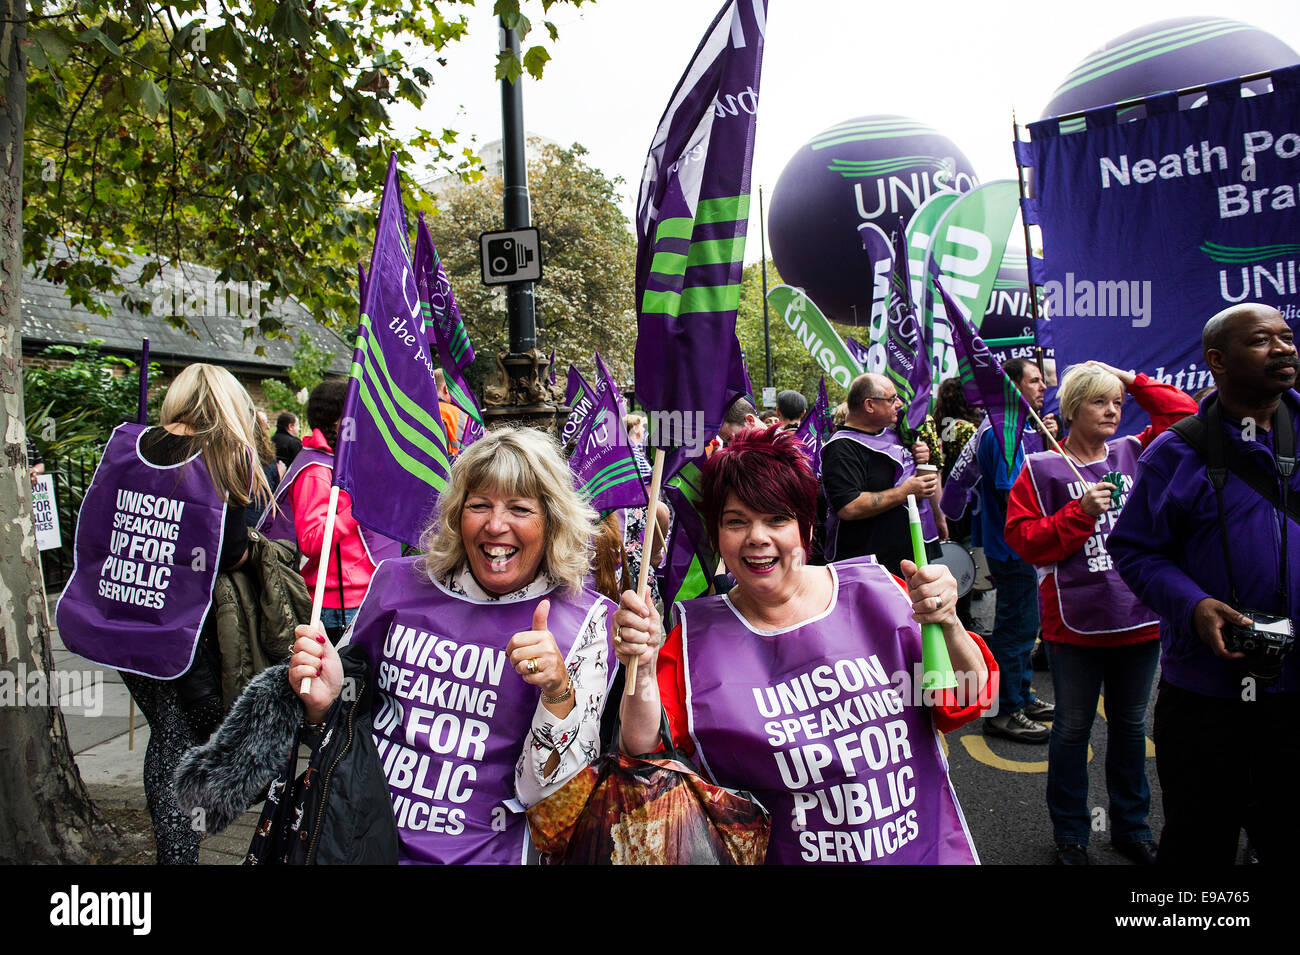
(498, 555)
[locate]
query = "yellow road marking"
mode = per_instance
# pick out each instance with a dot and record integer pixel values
(978, 748)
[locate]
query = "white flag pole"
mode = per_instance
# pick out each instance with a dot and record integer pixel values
(323, 571)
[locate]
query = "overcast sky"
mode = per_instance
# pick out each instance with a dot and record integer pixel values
(959, 67)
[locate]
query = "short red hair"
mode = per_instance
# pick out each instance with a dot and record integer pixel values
(768, 470)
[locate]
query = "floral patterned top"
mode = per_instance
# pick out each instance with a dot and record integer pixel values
(633, 535)
(576, 737)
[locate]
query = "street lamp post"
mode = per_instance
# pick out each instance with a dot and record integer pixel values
(520, 390)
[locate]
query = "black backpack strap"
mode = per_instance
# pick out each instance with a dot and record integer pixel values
(1284, 441)
(1195, 431)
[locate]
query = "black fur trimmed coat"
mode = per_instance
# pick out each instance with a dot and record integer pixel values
(337, 812)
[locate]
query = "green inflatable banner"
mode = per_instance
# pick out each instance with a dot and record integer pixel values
(807, 323)
(967, 245)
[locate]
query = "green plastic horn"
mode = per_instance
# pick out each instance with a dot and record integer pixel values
(935, 663)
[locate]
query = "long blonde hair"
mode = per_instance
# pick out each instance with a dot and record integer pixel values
(217, 410)
(520, 462)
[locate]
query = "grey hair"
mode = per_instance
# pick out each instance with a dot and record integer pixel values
(523, 462)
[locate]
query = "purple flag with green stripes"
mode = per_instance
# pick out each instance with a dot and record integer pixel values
(581, 399)
(604, 469)
(983, 382)
(692, 218)
(443, 307)
(436, 302)
(817, 427)
(392, 450)
(688, 571)
(907, 352)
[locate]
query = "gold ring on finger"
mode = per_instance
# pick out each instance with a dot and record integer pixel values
(532, 665)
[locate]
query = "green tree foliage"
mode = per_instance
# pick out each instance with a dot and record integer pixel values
(250, 137)
(306, 372)
(584, 302)
(73, 404)
(792, 366)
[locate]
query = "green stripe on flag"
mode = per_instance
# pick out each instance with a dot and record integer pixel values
(462, 400)
(668, 263)
(461, 343)
(694, 584)
(610, 469)
(413, 467)
(437, 450)
(710, 298)
(679, 228)
(432, 445)
(725, 209)
(716, 251)
(593, 488)
(1010, 423)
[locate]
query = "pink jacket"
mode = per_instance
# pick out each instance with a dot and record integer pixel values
(311, 495)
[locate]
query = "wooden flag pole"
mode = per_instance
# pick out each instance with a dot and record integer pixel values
(323, 571)
(1048, 435)
(647, 540)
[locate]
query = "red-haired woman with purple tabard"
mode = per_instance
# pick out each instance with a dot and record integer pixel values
(800, 684)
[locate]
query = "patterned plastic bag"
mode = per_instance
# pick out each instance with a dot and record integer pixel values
(648, 810)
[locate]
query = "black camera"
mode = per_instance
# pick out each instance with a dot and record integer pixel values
(1265, 642)
(506, 257)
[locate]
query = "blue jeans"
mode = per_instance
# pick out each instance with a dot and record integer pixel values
(1078, 675)
(1015, 626)
(335, 620)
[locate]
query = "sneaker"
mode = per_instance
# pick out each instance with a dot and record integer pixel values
(1016, 726)
(1072, 855)
(1040, 711)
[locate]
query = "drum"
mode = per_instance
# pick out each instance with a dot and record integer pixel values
(958, 560)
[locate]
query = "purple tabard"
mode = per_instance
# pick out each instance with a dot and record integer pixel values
(451, 716)
(814, 722)
(277, 522)
(1093, 597)
(888, 444)
(147, 547)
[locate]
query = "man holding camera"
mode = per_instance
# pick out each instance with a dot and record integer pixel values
(1203, 540)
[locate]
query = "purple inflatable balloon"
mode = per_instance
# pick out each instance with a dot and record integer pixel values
(1169, 55)
(869, 169)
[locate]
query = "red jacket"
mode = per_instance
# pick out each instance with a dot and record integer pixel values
(1048, 539)
(311, 497)
(670, 674)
